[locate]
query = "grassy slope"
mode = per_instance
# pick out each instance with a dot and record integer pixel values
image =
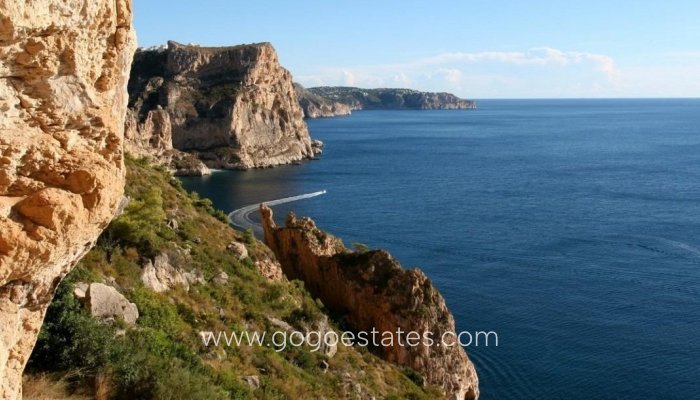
(162, 357)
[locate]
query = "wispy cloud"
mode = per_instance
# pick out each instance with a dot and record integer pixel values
(454, 71)
(534, 56)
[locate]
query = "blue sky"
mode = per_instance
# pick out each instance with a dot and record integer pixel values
(475, 49)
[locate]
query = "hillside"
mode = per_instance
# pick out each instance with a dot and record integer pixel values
(227, 287)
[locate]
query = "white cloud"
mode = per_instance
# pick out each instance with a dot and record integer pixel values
(534, 56)
(535, 72)
(349, 78)
(451, 75)
(402, 80)
(662, 81)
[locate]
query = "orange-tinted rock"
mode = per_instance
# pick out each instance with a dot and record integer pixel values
(372, 291)
(63, 74)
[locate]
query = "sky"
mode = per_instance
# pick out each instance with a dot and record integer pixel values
(473, 48)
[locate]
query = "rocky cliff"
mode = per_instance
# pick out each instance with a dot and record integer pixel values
(63, 73)
(233, 107)
(372, 291)
(386, 99)
(315, 106)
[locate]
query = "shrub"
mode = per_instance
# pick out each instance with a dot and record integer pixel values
(156, 312)
(249, 237)
(142, 222)
(307, 313)
(146, 363)
(207, 205)
(70, 338)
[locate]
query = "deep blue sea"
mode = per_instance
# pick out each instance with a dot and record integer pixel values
(569, 227)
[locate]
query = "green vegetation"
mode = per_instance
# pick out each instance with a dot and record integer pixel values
(162, 357)
(223, 91)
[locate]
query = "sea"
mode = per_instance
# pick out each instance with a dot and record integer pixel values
(571, 228)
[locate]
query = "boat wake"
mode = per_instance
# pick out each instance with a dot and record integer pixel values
(240, 218)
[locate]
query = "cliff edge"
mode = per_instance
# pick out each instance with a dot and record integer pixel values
(63, 73)
(372, 291)
(233, 107)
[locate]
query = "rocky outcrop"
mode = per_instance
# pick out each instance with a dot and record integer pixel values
(152, 137)
(270, 269)
(372, 291)
(238, 249)
(233, 107)
(390, 99)
(63, 74)
(160, 275)
(106, 303)
(315, 106)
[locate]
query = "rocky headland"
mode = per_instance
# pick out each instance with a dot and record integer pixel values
(329, 101)
(63, 73)
(232, 107)
(372, 291)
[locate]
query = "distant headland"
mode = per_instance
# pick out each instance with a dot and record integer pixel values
(329, 101)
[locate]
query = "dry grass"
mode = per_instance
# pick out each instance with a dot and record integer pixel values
(48, 387)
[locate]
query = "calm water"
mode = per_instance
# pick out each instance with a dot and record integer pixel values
(570, 227)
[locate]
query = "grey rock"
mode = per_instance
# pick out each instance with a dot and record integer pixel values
(80, 290)
(173, 224)
(105, 302)
(160, 275)
(238, 249)
(221, 278)
(253, 381)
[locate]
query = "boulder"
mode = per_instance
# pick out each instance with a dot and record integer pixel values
(221, 278)
(80, 290)
(105, 302)
(238, 249)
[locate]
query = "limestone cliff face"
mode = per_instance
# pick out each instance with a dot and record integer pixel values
(315, 106)
(371, 290)
(63, 74)
(234, 107)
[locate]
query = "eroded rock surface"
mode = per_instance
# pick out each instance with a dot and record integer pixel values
(372, 290)
(63, 74)
(232, 107)
(160, 275)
